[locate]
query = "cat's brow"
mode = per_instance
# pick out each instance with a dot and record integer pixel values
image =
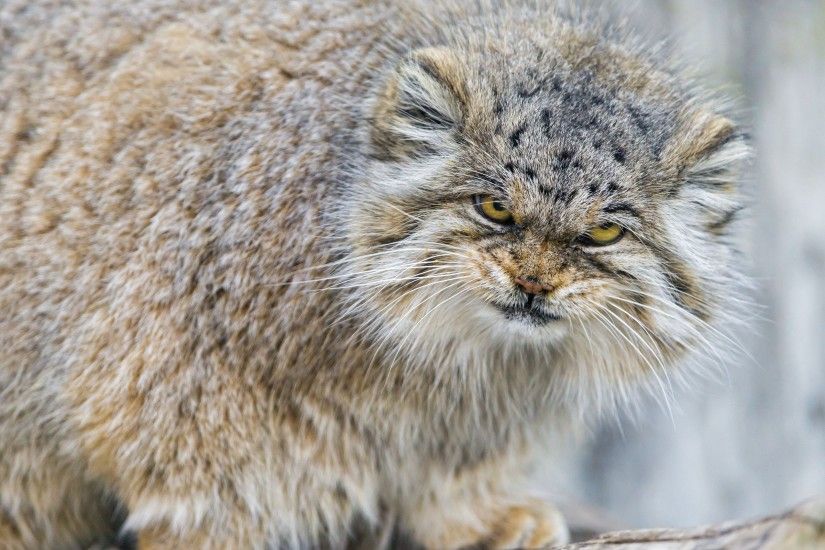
(621, 207)
(498, 185)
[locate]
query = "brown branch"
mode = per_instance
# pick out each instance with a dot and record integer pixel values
(802, 527)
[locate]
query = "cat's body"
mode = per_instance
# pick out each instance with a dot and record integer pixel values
(190, 201)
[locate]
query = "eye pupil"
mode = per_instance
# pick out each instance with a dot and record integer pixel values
(498, 206)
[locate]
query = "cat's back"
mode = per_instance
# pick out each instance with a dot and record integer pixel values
(155, 155)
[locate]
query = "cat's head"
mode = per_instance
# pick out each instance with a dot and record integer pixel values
(544, 191)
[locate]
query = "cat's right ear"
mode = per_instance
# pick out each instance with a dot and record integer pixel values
(421, 108)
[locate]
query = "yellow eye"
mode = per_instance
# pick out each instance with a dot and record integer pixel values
(603, 235)
(492, 209)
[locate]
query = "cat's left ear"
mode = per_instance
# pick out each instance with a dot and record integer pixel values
(422, 106)
(707, 159)
(709, 151)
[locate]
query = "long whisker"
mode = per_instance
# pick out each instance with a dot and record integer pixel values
(640, 355)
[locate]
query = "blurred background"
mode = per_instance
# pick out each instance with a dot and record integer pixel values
(755, 442)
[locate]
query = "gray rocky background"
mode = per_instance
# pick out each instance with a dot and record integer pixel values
(755, 442)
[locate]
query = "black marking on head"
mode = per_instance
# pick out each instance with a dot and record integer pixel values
(549, 192)
(531, 86)
(515, 137)
(530, 173)
(545, 121)
(612, 187)
(561, 196)
(498, 106)
(563, 160)
(597, 144)
(619, 154)
(640, 118)
(510, 167)
(569, 196)
(593, 188)
(526, 91)
(621, 207)
(658, 148)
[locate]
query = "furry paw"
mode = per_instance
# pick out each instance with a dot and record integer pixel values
(534, 524)
(527, 524)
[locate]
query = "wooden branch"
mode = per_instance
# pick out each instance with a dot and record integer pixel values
(802, 527)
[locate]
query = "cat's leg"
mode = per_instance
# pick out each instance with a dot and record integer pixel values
(48, 502)
(480, 507)
(205, 458)
(247, 482)
(47, 497)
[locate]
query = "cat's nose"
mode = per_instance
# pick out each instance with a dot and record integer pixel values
(532, 285)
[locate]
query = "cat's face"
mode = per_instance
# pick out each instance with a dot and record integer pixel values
(543, 199)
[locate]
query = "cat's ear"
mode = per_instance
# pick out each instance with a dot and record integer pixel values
(709, 150)
(422, 106)
(708, 157)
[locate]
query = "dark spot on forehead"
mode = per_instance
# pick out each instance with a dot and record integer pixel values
(568, 196)
(530, 173)
(545, 121)
(515, 137)
(531, 85)
(498, 105)
(563, 160)
(526, 90)
(619, 154)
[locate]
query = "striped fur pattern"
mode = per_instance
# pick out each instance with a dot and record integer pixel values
(247, 299)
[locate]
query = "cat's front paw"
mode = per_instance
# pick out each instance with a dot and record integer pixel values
(534, 524)
(529, 524)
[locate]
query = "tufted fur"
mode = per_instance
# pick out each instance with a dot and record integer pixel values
(245, 297)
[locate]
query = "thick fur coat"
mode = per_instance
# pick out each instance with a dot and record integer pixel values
(196, 345)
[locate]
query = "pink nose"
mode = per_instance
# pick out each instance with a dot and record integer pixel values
(531, 285)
